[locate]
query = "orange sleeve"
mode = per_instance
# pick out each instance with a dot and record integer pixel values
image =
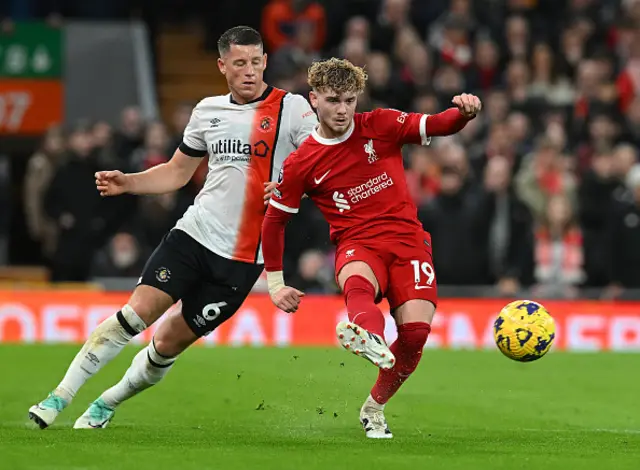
(272, 15)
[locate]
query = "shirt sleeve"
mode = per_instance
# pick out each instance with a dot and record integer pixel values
(193, 142)
(397, 126)
(286, 196)
(302, 120)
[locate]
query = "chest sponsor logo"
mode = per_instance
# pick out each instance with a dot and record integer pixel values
(234, 150)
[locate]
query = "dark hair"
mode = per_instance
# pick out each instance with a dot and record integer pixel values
(239, 35)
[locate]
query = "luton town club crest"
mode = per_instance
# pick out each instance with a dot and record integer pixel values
(266, 123)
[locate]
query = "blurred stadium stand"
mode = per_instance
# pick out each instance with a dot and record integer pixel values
(538, 196)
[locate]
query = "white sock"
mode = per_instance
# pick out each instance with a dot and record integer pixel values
(146, 370)
(104, 343)
(371, 403)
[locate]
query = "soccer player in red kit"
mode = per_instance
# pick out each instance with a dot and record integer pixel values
(351, 167)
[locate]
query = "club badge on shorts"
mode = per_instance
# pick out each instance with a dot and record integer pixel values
(163, 274)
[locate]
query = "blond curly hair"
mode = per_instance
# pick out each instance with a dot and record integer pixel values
(338, 75)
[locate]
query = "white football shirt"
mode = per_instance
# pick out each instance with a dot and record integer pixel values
(247, 145)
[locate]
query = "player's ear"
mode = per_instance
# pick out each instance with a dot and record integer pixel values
(221, 66)
(264, 60)
(313, 99)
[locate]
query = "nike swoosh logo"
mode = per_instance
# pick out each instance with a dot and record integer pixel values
(423, 287)
(319, 180)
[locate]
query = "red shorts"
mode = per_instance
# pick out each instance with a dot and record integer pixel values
(404, 270)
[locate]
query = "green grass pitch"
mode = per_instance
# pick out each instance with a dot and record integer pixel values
(226, 408)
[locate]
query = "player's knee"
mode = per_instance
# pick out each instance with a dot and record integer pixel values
(420, 334)
(173, 336)
(358, 285)
(413, 337)
(149, 303)
(356, 269)
(166, 346)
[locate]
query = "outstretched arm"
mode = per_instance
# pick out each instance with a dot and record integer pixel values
(164, 178)
(416, 128)
(284, 202)
(284, 297)
(453, 120)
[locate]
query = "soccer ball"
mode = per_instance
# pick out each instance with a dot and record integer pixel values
(524, 331)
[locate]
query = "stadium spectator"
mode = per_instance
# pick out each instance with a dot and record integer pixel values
(355, 50)
(41, 169)
(449, 33)
(393, 18)
(595, 202)
(603, 133)
(72, 201)
(382, 91)
(542, 176)
(315, 273)
(517, 38)
(510, 230)
(558, 250)
(158, 214)
(483, 73)
(547, 83)
(627, 82)
(282, 18)
(625, 238)
(84, 220)
(179, 120)
(155, 149)
(631, 132)
(130, 135)
(297, 54)
(423, 174)
(458, 223)
(122, 257)
(102, 133)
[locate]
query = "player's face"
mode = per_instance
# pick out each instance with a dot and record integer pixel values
(243, 67)
(335, 110)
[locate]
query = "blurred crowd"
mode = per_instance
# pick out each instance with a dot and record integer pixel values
(83, 235)
(541, 191)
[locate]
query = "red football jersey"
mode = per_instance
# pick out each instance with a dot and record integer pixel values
(357, 180)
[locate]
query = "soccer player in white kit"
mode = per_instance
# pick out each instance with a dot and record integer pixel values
(212, 257)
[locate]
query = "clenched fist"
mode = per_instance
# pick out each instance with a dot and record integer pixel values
(468, 105)
(111, 183)
(287, 299)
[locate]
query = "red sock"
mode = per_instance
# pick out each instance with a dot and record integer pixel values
(360, 297)
(408, 351)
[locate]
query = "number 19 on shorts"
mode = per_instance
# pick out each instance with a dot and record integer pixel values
(423, 274)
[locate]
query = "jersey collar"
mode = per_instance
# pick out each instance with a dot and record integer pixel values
(336, 140)
(262, 97)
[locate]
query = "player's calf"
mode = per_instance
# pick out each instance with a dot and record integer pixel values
(147, 369)
(104, 343)
(360, 299)
(407, 350)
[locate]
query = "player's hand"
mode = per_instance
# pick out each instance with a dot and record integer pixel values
(269, 186)
(287, 299)
(111, 183)
(468, 105)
